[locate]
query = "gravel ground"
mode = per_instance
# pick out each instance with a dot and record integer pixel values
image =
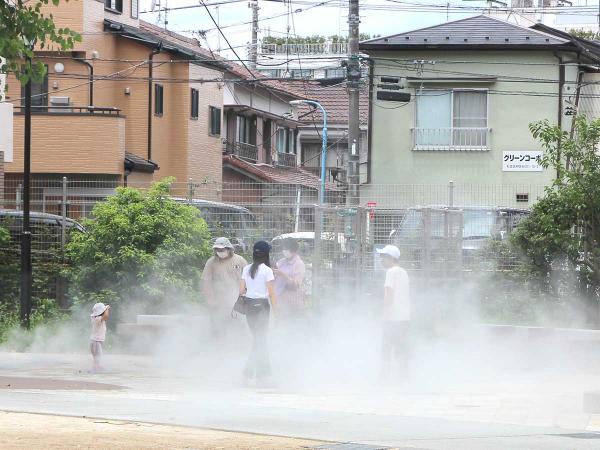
(39, 431)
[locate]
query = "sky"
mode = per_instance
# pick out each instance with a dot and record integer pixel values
(322, 20)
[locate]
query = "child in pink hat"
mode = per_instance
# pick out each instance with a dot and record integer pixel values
(99, 316)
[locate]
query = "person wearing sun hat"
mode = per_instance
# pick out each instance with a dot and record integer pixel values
(99, 316)
(396, 311)
(221, 283)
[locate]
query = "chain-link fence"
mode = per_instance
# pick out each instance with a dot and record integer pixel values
(443, 231)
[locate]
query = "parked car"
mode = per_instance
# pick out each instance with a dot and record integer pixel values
(12, 220)
(452, 232)
(224, 219)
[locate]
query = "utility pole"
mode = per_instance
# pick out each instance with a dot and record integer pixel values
(353, 76)
(26, 275)
(253, 51)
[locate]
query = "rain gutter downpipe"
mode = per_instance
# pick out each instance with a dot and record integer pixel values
(156, 51)
(91, 83)
(561, 84)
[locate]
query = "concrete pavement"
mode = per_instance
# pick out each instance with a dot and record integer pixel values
(538, 410)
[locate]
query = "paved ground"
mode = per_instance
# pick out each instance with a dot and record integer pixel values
(525, 409)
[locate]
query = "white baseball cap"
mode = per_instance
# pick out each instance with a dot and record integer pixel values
(390, 250)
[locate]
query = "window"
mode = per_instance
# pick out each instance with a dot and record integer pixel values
(195, 97)
(340, 72)
(451, 119)
(243, 129)
(39, 93)
(215, 120)
(114, 5)
(158, 99)
(286, 142)
(135, 5)
(304, 73)
(271, 73)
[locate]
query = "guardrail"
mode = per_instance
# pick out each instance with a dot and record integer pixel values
(99, 110)
(241, 149)
(337, 48)
(454, 138)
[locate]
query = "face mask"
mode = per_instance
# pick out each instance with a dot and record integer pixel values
(287, 254)
(222, 254)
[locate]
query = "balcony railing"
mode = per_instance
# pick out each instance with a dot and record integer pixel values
(458, 139)
(332, 174)
(55, 109)
(286, 159)
(241, 149)
(325, 48)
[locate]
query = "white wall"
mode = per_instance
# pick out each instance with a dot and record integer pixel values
(6, 131)
(2, 80)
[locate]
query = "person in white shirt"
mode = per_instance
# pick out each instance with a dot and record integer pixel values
(396, 311)
(98, 317)
(258, 291)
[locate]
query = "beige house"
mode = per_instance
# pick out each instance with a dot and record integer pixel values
(130, 103)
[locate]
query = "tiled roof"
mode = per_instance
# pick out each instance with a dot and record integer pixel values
(236, 69)
(478, 31)
(333, 98)
(179, 43)
(176, 38)
(275, 174)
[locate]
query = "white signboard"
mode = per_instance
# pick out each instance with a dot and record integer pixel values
(527, 161)
(6, 131)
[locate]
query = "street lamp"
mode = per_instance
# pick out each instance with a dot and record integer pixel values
(324, 144)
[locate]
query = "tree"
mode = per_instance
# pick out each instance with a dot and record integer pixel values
(22, 26)
(585, 34)
(139, 246)
(563, 231)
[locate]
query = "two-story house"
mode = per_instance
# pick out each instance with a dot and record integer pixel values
(333, 96)
(475, 84)
(129, 104)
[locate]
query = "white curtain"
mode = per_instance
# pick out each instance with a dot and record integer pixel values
(470, 118)
(434, 115)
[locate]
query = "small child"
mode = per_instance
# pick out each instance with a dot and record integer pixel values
(99, 316)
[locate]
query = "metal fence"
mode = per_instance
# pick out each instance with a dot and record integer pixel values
(443, 231)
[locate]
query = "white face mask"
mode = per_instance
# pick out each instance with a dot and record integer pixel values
(287, 254)
(222, 253)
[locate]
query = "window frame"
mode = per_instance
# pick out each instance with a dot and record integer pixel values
(137, 9)
(211, 117)
(240, 118)
(451, 127)
(118, 6)
(159, 100)
(194, 103)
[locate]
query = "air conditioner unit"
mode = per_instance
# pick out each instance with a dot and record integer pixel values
(61, 103)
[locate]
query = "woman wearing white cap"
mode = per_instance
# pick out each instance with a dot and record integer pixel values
(221, 284)
(99, 316)
(396, 310)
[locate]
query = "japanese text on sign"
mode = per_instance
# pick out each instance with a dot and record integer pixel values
(527, 161)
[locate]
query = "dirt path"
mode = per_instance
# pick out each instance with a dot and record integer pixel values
(38, 431)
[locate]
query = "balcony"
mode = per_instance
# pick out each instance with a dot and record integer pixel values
(454, 139)
(71, 140)
(286, 159)
(332, 174)
(324, 48)
(242, 150)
